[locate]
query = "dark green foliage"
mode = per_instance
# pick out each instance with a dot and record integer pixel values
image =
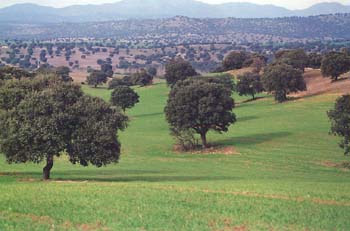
(8, 72)
(46, 122)
(125, 81)
(63, 73)
(235, 60)
(107, 69)
(314, 60)
(141, 78)
(124, 97)
(152, 71)
(12, 92)
(282, 79)
(249, 84)
(96, 78)
(340, 119)
(224, 79)
(296, 58)
(334, 64)
(178, 69)
(198, 105)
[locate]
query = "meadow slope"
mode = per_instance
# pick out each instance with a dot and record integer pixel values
(282, 177)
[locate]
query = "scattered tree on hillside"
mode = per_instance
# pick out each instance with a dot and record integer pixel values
(282, 79)
(249, 84)
(57, 119)
(334, 64)
(296, 58)
(96, 78)
(63, 73)
(124, 97)
(314, 60)
(178, 69)
(235, 60)
(8, 72)
(114, 83)
(340, 119)
(152, 71)
(107, 69)
(200, 106)
(141, 78)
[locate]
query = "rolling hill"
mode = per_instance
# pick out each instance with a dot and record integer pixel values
(319, 27)
(131, 9)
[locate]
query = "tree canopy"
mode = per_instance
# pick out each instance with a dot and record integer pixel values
(50, 118)
(249, 84)
(235, 60)
(334, 64)
(96, 78)
(282, 79)
(199, 105)
(178, 69)
(124, 97)
(340, 119)
(297, 58)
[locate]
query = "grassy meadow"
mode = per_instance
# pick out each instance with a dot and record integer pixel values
(281, 177)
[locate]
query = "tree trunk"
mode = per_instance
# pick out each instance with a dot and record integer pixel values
(204, 140)
(253, 96)
(47, 168)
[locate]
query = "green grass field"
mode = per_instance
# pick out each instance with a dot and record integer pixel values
(278, 180)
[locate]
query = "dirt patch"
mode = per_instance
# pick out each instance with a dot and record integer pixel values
(215, 150)
(317, 84)
(344, 166)
(50, 221)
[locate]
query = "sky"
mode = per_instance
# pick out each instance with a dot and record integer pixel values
(290, 4)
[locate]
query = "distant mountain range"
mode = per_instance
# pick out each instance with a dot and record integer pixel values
(185, 29)
(151, 9)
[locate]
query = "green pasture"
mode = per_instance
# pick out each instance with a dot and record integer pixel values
(281, 177)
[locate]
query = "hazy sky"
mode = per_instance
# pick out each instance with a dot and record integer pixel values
(291, 4)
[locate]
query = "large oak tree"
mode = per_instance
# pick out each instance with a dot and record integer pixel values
(340, 119)
(199, 105)
(55, 118)
(282, 79)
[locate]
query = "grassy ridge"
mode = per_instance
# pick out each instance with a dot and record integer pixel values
(277, 181)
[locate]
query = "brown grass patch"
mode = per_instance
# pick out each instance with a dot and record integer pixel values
(317, 84)
(215, 150)
(344, 166)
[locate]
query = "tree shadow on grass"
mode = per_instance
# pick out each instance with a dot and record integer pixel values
(116, 175)
(246, 118)
(253, 139)
(145, 178)
(148, 115)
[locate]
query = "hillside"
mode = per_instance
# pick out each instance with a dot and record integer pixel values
(146, 9)
(286, 174)
(324, 27)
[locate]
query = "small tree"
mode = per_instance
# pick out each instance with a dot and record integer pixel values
(152, 71)
(178, 69)
(58, 119)
(282, 79)
(198, 105)
(96, 78)
(141, 78)
(107, 69)
(314, 60)
(340, 119)
(297, 58)
(63, 73)
(235, 60)
(249, 84)
(334, 64)
(124, 97)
